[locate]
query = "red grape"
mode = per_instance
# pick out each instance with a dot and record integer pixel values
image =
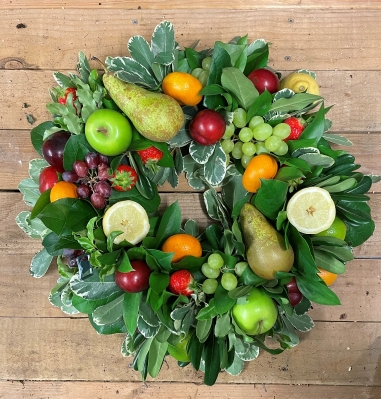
(92, 160)
(103, 188)
(70, 176)
(83, 191)
(80, 168)
(103, 171)
(98, 201)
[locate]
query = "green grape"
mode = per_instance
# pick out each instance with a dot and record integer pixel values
(262, 131)
(237, 150)
(240, 268)
(249, 148)
(208, 272)
(245, 160)
(229, 131)
(206, 62)
(282, 130)
(209, 286)
(227, 146)
(239, 117)
(196, 72)
(255, 121)
(229, 281)
(245, 134)
(282, 149)
(261, 148)
(273, 143)
(215, 261)
(203, 78)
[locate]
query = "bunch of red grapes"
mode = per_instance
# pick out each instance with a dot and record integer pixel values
(92, 176)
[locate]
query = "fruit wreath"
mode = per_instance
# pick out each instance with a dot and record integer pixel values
(286, 208)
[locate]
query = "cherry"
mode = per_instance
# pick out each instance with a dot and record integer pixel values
(264, 79)
(136, 280)
(294, 295)
(48, 178)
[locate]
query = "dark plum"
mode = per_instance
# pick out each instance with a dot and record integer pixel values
(53, 149)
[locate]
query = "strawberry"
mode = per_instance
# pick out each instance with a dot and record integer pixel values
(150, 156)
(297, 126)
(124, 178)
(63, 99)
(181, 282)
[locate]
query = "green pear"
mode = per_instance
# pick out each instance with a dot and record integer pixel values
(266, 250)
(156, 116)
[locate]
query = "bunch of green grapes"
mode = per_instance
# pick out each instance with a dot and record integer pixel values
(215, 274)
(243, 140)
(202, 74)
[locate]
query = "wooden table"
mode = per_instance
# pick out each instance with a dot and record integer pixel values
(44, 353)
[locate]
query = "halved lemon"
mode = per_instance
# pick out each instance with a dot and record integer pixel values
(130, 218)
(311, 210)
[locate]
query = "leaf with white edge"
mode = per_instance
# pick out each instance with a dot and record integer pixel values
(317, 159)
(127, 346)
(163, 39)
(284, 93)
(62, 80)
(210, 204)
(148, 315)
(140, 51)
(109, 313)
(301, 322)
(233, 80)
(83, 66)
(92, 288)
(35, 167)
(40, 263)
(147, 330)
(295, 103)
(337, 139)
(30, 191)
(195, 182)
(251, 353)
(181, 139)
(304, 150)
(313, 74)
(236, 367)
(34, 228)
(201, 153)
(215, 168)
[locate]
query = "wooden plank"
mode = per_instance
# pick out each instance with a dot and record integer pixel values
(17, 151)
(50, 349)
(183, 390)
(12, 240)
(25, 296)
(26, 92)
(321, 40)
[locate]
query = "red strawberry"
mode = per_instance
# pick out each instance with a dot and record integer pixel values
(150, 156)
(297, 126)
(181, 282)
(124, 178)
(63, 99)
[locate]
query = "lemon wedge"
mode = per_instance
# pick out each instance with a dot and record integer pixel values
(311, 210)
(130, 218)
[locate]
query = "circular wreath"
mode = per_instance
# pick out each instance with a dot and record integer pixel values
(221, 324)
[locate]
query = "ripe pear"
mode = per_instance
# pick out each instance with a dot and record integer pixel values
(156, 116)
(266, 250)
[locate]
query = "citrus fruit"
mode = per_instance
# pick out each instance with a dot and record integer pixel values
(311, 210)
(182, 245)
(63, 189)
(130, 218)
(183, 87)
(328, 277)
(337, 229)
(300, 82)
(262, 166)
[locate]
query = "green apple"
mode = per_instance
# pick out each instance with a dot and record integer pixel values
(179, 351)
(258, 315)
(108, 132)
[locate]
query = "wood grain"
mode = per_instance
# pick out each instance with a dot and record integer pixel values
(322, 40)
(182, 390)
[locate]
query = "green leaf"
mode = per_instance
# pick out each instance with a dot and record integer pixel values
(203, 329)
(115, 328)
(42, 201)
(317, 291)
(191, 228)
(301, 322)
(260, 106)
(170, 223)
(223, 302)
(108, 313)
(215, 168)
(223, 325)
(156, 357)
(131, 302)
(30, 191)
(200, 153)
(208, 312)
(295, 103)
(163, 39)
(337, 139)
(314, 131)
(236, 367)
(37, 135)
(141, 52)
(342, 253)
(271, 197)
(40, 263)
(75, 149)
(212, 360)
(314, 159)
(54, 243)
(248, 277)
(158, 281)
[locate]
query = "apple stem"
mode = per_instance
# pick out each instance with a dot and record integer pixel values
(102, 64)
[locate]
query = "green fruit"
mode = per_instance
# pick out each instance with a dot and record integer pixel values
(266, 250)
(179, 351)
(257, 315)
(156, 116)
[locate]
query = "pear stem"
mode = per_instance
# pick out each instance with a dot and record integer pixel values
(102, 64)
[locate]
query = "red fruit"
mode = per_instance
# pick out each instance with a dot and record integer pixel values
(63, 99)
(297, 126)
(264, 79)
(48, 178)
(53, 149)
(181, 282)
(136, 280)
(150, 156)
(207, 127)
(124, 178)
(294, 295)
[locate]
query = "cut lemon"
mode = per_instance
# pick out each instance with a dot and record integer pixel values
(128, 217)
(311, 210)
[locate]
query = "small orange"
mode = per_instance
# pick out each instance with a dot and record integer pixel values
(183, 87)
(262, 166)
(182, 245)
(63, 189)
(328, 277)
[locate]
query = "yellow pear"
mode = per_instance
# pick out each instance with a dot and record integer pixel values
(156, 116)
(266, 250)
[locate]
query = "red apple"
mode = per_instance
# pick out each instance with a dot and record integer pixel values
(207, 127)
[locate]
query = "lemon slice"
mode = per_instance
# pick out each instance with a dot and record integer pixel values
(311, 210)
(128, 217)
